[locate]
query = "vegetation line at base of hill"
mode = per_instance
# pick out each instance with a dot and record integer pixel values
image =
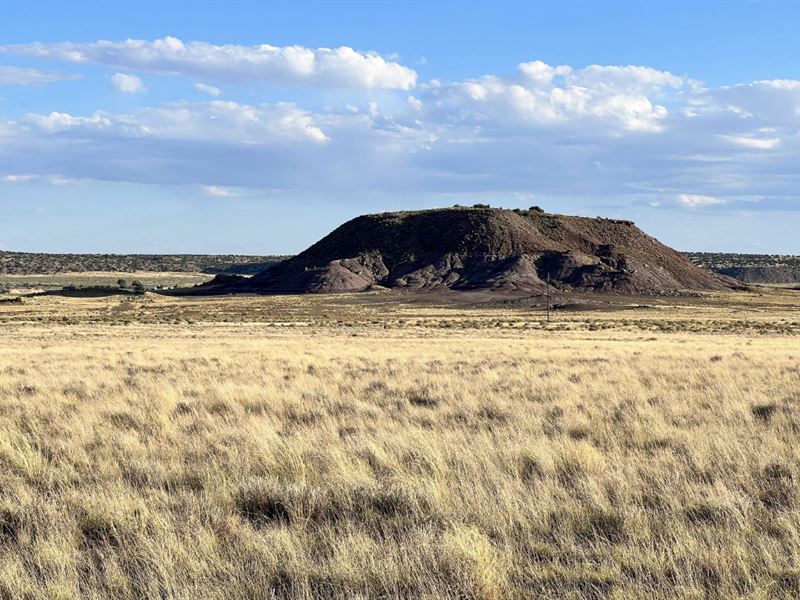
(25, 263)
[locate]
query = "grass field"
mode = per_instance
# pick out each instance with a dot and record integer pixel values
(51, 281)
(376, 446)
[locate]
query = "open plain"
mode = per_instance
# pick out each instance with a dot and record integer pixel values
(384, 445)
(346, 300)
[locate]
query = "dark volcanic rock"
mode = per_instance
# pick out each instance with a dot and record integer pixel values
(470, 248)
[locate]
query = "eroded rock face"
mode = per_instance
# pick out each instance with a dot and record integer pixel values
(472, 248)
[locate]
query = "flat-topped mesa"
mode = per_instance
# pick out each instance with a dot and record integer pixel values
(470, 248)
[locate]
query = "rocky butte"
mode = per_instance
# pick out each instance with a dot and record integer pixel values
(483, 248)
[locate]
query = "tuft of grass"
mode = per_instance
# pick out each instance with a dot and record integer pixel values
(605, 525)
(777, 488)
(265, 502)
(423, 398)
(764, 412)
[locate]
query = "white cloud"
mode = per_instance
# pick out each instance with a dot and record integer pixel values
(753, 142)
(20, 76)
(766, 102)
(56, 121)
(17, 178)
(324, 67)
(629, 78)
(215, 121)
(780, 84)
(129, 84)
(611, 97)
(542, 72)
(614, 133)
(47, 179)
(414, 103)
(696, 200)
(216, 191)
(207, 89)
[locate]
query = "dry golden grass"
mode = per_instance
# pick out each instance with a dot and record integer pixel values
(395, 456)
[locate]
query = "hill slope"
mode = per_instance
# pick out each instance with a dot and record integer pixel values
(470, 248)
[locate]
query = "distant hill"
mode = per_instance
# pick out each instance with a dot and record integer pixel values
(25, 263)
(751, 268)
(481, 247)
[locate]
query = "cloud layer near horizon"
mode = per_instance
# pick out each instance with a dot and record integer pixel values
(607, 131)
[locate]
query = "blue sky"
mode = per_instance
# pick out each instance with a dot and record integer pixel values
(257, 127)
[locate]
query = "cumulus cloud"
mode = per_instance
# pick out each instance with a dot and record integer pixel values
(211, 121)
(57, 121)
(325, 67)
(178, 143)
(207, 89)
(542, 72)
(414, 103)
(608, 132)
(630, 78)
(129, 84)
(760, 103)
(613, 97)
(22, 76)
